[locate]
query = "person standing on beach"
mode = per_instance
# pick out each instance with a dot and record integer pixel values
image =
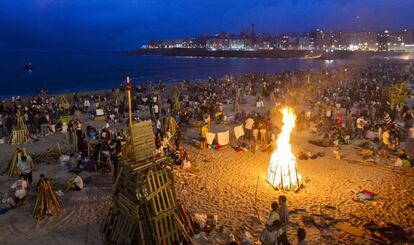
(204, 131)
(25, 166)
(360, 124)
(263, 125)
(2, 125)
(274, 214)
(248, 126)
(410, 142)
(284, 218)
(386, 142)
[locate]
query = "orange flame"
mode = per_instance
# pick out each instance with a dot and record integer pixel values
(282, 172)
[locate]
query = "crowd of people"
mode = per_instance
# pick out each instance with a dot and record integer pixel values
(366, 104)
(341, 105)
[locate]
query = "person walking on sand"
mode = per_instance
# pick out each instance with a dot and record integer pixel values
(25, 166)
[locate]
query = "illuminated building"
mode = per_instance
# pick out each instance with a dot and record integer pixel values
(383, 40)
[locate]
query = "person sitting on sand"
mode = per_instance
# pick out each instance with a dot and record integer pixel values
(270, 235)
(185, 162)
(402, 160)
(179, 152)
(20, 194)
(324, 142)
(75, 184)
(301, 234)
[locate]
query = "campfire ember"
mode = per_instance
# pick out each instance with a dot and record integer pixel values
(282, 172)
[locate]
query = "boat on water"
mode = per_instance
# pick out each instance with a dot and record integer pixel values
(28, 66)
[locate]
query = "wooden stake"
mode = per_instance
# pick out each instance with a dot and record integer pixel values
(128, 88)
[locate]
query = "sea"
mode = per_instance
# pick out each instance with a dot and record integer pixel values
(71, 72)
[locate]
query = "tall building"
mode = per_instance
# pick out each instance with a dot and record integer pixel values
(306, 41)
(408, 36)
(328, 39)
(287, 41)
(383, 40)
(359, 41)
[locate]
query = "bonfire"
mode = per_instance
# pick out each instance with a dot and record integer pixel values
(282, 173)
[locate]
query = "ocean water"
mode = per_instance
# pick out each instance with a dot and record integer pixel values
(69, 72)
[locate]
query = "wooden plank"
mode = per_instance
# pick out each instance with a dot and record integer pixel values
(182, 228)
(143, 156)
(144, 147)
(143, 134)
(142, 144)
(150, 188)
(156, 199)
(162, 192)
(160, 189)
(168, 200)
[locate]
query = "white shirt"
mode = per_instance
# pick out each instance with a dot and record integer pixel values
(360, 123)
(21, 188)
(78, 182)
(272, 217)
(249, 123)
(270, 237)
(155, 108)
(24, 166)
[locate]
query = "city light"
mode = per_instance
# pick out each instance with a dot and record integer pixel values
(318, 40)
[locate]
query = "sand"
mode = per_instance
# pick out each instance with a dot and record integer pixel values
(233, 186)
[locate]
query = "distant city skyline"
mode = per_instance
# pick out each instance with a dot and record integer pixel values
(94, 25)
(319, 39)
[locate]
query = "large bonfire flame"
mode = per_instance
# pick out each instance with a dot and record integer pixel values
(282, 172)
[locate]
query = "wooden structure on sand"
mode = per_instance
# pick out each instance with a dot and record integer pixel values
(143, 209)
(12, 169)
(46, 202)
(63, 104)
(20, 134)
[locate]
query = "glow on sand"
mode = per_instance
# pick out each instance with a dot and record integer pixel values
(282, 172)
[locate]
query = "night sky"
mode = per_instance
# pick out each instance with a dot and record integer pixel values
(109, 25)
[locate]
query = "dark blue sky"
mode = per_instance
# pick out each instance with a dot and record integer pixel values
(107, 25)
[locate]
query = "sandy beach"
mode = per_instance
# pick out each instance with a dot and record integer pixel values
(233, 186)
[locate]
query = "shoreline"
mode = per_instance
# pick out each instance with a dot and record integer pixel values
(272, 54)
